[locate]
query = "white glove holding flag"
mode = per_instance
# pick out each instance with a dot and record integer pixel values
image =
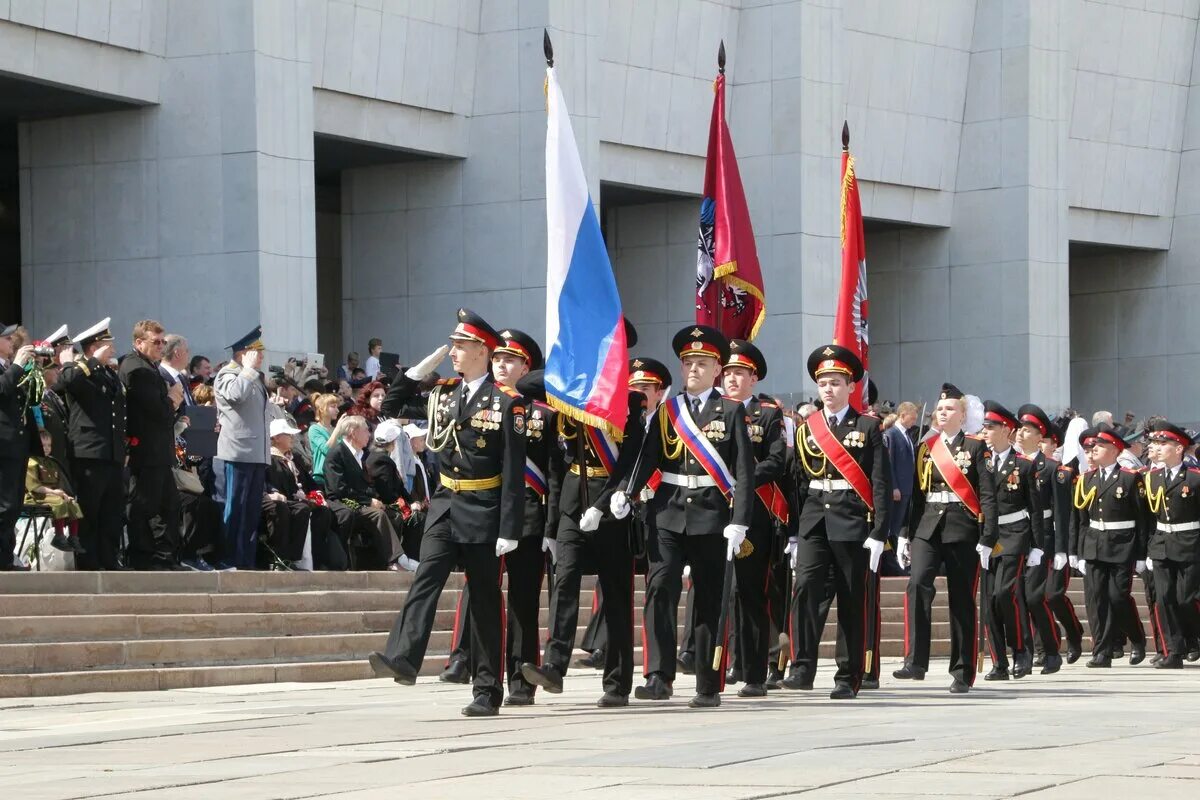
(985, 555)
(1035, 557)
(790, 551)
(424, 368)
(734, 536)
(902, 554)
(590, 520)
(505, 546)
(550, 546)
(618, 504)
(1060, 561)
(876, 548)
(1139, 567)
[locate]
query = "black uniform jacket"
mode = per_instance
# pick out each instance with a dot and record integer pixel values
(15, 420)
(280, 478)
(846, 516)
(95, 400)
(1064, 511)
(1017, 493)
(150, 423)
(704, 509)
(542, 450)
(765, 426)
(1120, 499)
(953, 521)
(385, 477)
(1174, 502)
(569, 493)
(486, 440)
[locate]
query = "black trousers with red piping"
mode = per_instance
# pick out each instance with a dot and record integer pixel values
(1007, 613)
(815, 555)
(1041, 617)
(961, 564)
(1110, 606)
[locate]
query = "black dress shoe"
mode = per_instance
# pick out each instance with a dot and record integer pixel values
(1022, 665)
(997, 674)
(456, 672)
(733, 676)
(13, 568)
(546, 676)
(1118, 652)
(753, 690)
(1193, 655)
(61, 542)
(655, 689)
(909, 673)
(705, 701)
(1074, 651)
(797, 680)
(1155, 659)
(687, 663)
(958, 687)
(521, 697)
(868, 683)
(612, 700)
(1170, 662)
(77, 546)
(481, 706)
(1052, 665)
(1137, 654)
(393, 668)
(1095, 662)
(843, 691)
(1039, 660)
(593, 660)
(774, 679)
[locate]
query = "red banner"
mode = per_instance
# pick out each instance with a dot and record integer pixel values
(850, 322)
(729, 286)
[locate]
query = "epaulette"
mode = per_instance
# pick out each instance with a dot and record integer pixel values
(974, 436)
(1027, 458)
(769, 404)
(1193, 469)
(1066, 468)
(538, 404)
(508, 390)
(449, 381)
(1130, 471)
(81, 363)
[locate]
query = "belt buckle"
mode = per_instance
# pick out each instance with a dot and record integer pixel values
(828, 484)
(691, 481)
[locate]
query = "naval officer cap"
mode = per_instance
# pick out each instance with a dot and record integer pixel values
(97, 333)
(58, 338)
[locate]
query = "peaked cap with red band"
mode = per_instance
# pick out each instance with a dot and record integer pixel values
(1163, 431)
(474, 328)
(701, 340)
(835, 358)
(521, 344)
(744, 354)
(1033, 416)
(996, 414)
(1103, 433)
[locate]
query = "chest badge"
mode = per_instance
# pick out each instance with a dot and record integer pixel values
(1120, 492)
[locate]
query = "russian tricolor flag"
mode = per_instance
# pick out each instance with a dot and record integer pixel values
(587, 365)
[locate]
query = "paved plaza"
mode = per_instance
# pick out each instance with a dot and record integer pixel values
(1125, 732)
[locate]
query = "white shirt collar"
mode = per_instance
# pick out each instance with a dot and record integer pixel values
(1000, 458)
(702, 397)
(839, 416)
(174, 372)
(473, 386)
(3, 362)
(353, 449)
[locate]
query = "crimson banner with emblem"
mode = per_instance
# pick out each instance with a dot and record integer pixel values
(850, 322)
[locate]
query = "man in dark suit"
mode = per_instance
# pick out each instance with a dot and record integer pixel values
(902, 459)
(154, 505)
(843, 522)
(357, 503)
(16, 421)
(95, 399)
(477, 512)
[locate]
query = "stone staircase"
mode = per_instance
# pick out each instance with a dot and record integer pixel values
(74, 632)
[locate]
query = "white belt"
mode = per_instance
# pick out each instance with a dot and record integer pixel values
(688, 481)
(1047, 513)
(941, 497)
(829, 485)
(1016, 516)
(1179, 527)
(1119, 525)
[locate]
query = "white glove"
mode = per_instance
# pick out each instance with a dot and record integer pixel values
(687, 570)
(1060, 561)
(251, 360)
(1035, 556)
(1150, 564)
(550, 546)
(618, 504)
(985, 555)
(876, 548)
(1073, 560)
(1139, 567)
(734, 536)
(505, 546)
(590, 520)
(1081, 565)
(902, 554)
(790, 551)
(424, 368)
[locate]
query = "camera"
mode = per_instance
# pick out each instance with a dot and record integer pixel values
(43, 351)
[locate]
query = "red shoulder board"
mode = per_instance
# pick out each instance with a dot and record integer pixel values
(974, 436)
(1194, 469)
(1027, 458)
(508, 390)
(1130, 471)
(449, 381)
(769, 404)
(540, 406)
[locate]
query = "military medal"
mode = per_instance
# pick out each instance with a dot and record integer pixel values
(1120, 492)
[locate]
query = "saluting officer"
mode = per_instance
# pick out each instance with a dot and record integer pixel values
(95, 399)
(1173, 555)
(701, 510)
(477, 511)
(951, 499)
(16, 421)
(1008, 547)
(1113, 527)
(745, 367)
(843, 521)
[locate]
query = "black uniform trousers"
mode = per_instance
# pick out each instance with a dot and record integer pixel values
(961, 564)
(12, 497)
(1176, 585)
(154, 516)
(750, 639)
(1040, 615)
(777, 610)
(814, 556)
(830, 594)
(285, 525)
(595, 635)
(607, 549)
(1057, 584)
(667, 553)
(1111, 612)
(409, 638)
(100, 489)
(1007, 613)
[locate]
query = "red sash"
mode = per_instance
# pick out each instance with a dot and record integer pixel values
(953, 476)
(773, 498)
(845, 463)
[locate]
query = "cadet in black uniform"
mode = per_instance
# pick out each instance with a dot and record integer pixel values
(701, 509)
(477, 511)
(95, 398)
(16, 422)
(1018, 542)
(1173, 555)
(745, 367)
(1058, 576)
(951, 500)
(843, 521)
(1113, 527)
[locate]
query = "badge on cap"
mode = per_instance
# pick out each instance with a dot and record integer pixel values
(696, 332)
